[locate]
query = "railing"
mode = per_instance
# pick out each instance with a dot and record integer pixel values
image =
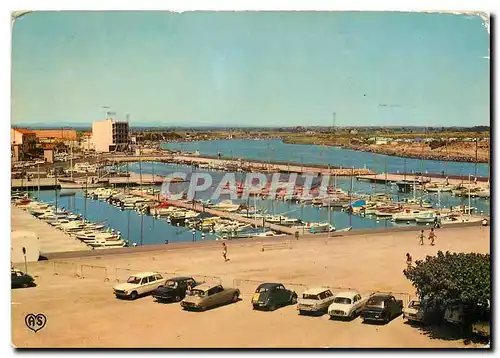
(246, 286)
(287, 245)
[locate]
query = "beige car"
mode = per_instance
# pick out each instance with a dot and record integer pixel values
(315, 300)
(209, 295)
(139, 284)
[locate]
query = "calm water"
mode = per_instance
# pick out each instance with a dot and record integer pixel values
(276, 150)
(156, 231)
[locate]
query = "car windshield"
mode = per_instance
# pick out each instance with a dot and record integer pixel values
(262, 289)
(198, 293)
(134, 280)
(375, 301)
(172, 284)
(342, 300)
(414, 304)
(310, 297)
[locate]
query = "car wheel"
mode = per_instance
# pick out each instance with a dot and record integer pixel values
(235, 297)
(293, 300)
(177, 298)
(352, 315)
(388, 318)
(134, 295)
(272, 307)
(25, 285)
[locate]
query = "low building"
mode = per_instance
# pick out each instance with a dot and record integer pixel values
(110, 135)
(86, 143)
(50, 135)
(23, 143)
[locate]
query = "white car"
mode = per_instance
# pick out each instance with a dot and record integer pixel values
(315, 300)
(139, 284)
(347, 305)
(414, 312)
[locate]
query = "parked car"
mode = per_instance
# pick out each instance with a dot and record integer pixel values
(209, 295)
(454, 314)
(381, 307)
(174, 289)
(347, 305)
(414, 312)
(20, 279)
(138, 285)
(272, 295)
(483, 318)
(315, 300)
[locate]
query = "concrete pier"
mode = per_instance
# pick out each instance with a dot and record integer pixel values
(51, 239)
(392, 178)
(247, 165)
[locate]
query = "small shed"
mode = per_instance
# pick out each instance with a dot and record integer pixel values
(48, 152)
(27, 239)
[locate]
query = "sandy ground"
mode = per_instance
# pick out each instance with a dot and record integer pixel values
(82, 312)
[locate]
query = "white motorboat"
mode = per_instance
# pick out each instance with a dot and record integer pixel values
(321, 227)
(226, 205)
(407, 215)
(86, 235)
(434, 188)
(72, 226)
(268, 234)
(425, 217)
(106, 243)
(483, 193)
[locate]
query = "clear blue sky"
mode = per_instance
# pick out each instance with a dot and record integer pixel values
(209, 68)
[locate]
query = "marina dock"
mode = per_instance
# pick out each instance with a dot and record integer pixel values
(51, 183)
(51, 240)
(247, 165)
(382, 178)
(223, 214)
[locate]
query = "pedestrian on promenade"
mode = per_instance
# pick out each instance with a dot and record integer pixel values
(224, 252)
(421, 237)
(408, 261)
(432, 236)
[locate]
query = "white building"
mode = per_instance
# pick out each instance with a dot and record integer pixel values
(110, 135)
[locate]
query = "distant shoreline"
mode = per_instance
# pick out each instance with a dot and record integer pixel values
(464, 157)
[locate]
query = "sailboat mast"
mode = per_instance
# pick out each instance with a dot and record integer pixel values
(55, 186)
(385, 170)
(71, 160)
(421, 175)
(153, 169)
(140, 168)
(85, 194)
(38, 170)
(475, 162)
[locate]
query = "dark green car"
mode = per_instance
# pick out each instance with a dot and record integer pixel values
(20, 279)
(272, 295)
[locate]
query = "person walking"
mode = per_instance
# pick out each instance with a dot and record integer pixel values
(408, 261)
(224, 252)
(432, 236)
(421, 237)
